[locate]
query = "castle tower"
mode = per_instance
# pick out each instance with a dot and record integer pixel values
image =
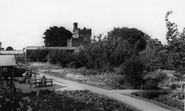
(0, 45)
(80, 36)
(75, 26)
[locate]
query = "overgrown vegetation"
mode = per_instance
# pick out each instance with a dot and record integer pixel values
(71, 100)
(128, 52)
(173, 99)
(45, 100)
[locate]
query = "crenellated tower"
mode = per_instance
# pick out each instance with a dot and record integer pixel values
(80, 36)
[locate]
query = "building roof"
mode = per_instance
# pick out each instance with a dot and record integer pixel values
(7, 60)
(12, 52)
(49, 48)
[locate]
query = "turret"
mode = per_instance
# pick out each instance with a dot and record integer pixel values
(0, 46)
(75, 26)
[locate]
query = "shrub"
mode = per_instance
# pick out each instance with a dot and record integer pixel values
(173, 99)
(150, 94)
(71, 100)
(174, 86)
(85, 71)
(116, 81)
(38, 55)
(152, 79)
(151, 84)
(133, 71)
(62, 57)
(19, 71)
(74, 64)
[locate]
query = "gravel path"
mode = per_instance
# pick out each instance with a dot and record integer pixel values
(137, 103)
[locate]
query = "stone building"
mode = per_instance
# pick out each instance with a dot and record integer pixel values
(80, 36)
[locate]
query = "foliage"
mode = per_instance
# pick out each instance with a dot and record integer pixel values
(71, 100)
(150, 94)
(155, 55)
(20, 59)
(39, 55)
(85, 71)
(9, 48)
(56, 36)
(134, 37)
(6, 97)
(174, 86)
(115, 81)
(150, 84)
(132, 70)
(159, 75)
(176, 44)
(62, 57)
(19, 71)
(153, 79)
(173, 99)
(119, 45)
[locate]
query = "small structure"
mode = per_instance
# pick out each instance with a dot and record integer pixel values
(7, 63)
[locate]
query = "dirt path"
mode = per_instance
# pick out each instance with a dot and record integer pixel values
(137, 103)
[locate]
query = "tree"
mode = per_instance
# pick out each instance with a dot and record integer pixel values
(112, 51)
(39, 55)
(135, 37)
(132, 69)
(155, 55)
(9, 48)
(176, 45)
(124, 43)
(56, 36)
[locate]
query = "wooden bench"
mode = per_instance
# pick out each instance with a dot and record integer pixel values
(39, 82)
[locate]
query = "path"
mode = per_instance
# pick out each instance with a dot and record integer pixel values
(137, 103)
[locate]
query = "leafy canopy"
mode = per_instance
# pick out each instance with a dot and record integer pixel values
(56, 36)
(176, 45)
(9, 48)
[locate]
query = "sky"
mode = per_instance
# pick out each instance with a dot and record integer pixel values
(23, 22)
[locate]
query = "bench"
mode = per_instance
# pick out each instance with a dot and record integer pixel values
(39, 82)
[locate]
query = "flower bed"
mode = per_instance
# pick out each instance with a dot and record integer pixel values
(47, 100)
(71, 100)
(172, 98)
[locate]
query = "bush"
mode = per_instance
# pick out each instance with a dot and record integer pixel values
(116, 81)
(173, 99)
(174, 86)
(150, 94)
(19, 71)
(132, 69)
(151, 84)
(74, 64)
(38, 55)
(85, 71)
(64, 58)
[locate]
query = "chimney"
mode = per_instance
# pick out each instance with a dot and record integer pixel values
(75, 26)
